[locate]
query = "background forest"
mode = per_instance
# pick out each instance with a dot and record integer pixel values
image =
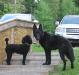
(46, 11)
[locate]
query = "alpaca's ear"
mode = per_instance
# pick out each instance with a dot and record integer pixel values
(40, 27)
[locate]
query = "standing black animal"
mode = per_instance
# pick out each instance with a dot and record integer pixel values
(52, 42)
(18, 48)
(27, 39)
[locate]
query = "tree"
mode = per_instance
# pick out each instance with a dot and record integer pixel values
(44, 15)
(76, 3)
(1, 6)
(4, 7)
(29, 6)
(60, 11)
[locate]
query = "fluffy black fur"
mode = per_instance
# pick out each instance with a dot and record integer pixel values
(27, 39)
(52, 42)
(18, 48)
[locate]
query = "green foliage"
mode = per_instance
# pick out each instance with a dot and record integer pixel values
(1, 12)
(44, 15)
(5, 9)
(68, 7)
(29, 5)
(1, 6)
(76, 3)
(54, 8)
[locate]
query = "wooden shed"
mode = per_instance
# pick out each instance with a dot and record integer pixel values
(14, 29)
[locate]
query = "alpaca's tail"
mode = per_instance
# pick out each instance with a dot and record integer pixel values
(6, 40)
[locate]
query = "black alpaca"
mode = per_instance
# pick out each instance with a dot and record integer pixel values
(52, 42)
(18, 48)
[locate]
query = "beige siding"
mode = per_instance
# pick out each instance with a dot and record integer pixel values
(15, 35)
(3, 34)
(20, 32)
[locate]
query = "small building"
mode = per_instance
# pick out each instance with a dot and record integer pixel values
(14, 26)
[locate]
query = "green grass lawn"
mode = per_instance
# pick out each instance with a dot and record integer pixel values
(37, 48)
(69, 71)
